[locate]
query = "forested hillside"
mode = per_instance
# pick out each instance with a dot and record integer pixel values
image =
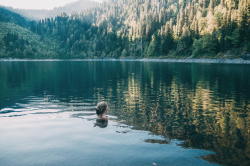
(31, 14)
(8, 16)
(151, 28)
(17, 41)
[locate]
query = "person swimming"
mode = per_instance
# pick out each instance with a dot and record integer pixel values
(101, 110)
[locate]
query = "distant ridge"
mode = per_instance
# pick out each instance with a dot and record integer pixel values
(30, 14)
(77, 6)
(35, 14)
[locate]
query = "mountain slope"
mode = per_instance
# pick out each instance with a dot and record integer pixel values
(151, 28)
(30, 14)
(17, 41)
(35, 14)
(8, 16)
(77, 6)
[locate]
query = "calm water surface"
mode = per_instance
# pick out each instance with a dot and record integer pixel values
(159, 113)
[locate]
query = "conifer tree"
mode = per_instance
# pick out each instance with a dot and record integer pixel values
(152, 47)
(191, 15)
(212, 22)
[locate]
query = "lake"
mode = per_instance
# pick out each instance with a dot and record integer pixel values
(159, 113)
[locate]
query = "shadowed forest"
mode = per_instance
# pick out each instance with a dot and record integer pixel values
(132, 29)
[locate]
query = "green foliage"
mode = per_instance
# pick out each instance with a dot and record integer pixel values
(205, 46)
(124, 53)
(8, 16)
(139, 28)
(235, 38)
(19, 42)
(204, 14)
(152, 47)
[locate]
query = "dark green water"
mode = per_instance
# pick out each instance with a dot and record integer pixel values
(172, 113)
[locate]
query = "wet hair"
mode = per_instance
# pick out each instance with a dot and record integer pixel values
(101, 107)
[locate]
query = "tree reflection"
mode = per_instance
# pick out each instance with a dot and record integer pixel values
(198, 110)
(207, 106)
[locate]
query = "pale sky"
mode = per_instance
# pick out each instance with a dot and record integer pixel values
(36, 4)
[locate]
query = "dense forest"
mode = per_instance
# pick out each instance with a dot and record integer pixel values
(141, 29)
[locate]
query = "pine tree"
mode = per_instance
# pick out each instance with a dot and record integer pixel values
(152, 47)
(32, 26)
(212, 22)
(161, 18)
(180, 21)
(147, 32)
(161, 42)
(196, 30)
(229, 14)
(191, 15)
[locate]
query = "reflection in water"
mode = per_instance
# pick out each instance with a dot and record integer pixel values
(157, 141)
(206, 106)
(102, 123)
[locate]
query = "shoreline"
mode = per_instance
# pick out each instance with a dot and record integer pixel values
(188, 60)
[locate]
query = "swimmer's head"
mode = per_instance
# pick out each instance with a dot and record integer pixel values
(101, 108)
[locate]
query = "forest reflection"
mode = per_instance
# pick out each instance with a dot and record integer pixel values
(206, 106)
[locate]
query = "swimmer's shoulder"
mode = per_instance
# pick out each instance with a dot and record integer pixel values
(102, 119)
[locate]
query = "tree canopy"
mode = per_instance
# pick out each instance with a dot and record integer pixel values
(150, 28)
